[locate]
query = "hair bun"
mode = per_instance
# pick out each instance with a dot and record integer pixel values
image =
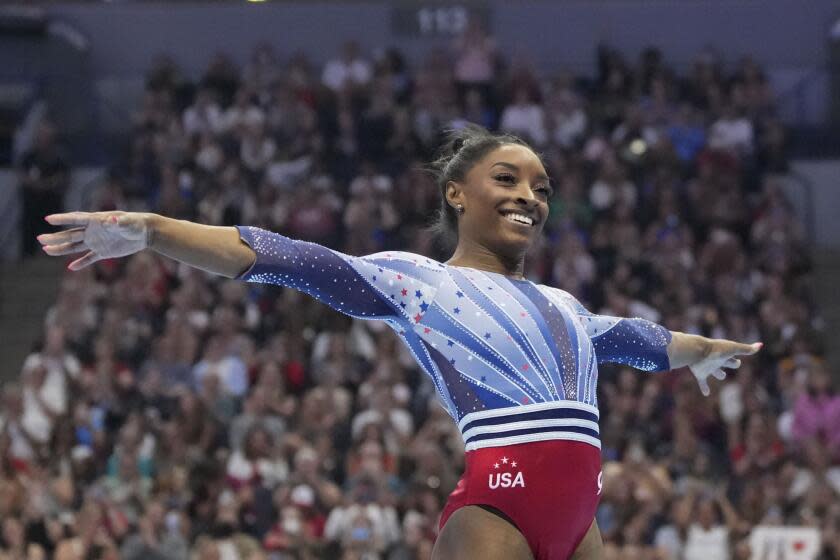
(457, 144)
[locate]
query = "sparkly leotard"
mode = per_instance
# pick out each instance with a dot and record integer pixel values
(512, 361)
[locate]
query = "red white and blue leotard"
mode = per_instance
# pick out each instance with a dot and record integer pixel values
(513, 363)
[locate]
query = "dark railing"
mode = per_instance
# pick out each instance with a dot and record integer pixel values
(806, 210)
(796, 96)
(810, 134)
(10, 215)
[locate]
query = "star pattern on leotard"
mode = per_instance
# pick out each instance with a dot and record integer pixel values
(503, 339)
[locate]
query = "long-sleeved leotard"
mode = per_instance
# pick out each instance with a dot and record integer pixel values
(512, 361)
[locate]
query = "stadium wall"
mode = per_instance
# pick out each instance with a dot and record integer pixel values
(822, 176)
(779, 33)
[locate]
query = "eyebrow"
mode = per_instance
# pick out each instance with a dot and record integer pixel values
(513, 167)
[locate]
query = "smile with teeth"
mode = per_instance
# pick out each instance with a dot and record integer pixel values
(519, 218)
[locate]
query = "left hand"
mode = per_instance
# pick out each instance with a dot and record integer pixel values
(100, 235)
(721, 354)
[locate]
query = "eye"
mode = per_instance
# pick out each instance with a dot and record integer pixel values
(545, 189)
(505, 178)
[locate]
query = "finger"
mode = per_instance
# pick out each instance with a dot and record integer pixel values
(719, 374)
(64, 248)
(66, 236)
(86, 260)
(746, 349)
(704, 387)
(70, 219)
(733, 363)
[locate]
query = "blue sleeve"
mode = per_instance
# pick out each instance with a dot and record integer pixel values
(370, 287)
(638, 343)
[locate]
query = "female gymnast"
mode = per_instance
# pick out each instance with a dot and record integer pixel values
(514, 363)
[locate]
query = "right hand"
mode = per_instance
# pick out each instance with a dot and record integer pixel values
(721, 354)
(101, 235)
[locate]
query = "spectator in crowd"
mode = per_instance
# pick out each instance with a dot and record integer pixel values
(229, 368)
(732, 132)
(349, 71)
(44, 176)
(567, 121)
(816, 413)
(205, 115)
(156, 537)
(476, 60)
(525, 117)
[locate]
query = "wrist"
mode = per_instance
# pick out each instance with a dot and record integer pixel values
(151, 222)
(687, 349)
(704, 347)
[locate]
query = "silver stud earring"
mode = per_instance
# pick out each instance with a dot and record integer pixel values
(460, 208)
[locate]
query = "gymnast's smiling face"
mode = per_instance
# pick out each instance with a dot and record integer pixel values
(505, 200)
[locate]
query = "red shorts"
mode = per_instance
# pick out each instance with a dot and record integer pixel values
(549, 490)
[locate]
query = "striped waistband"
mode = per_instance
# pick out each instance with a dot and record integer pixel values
(570, 420)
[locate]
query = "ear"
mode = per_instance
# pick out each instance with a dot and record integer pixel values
(454, 194)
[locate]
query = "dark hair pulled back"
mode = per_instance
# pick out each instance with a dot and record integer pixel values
(462, 149)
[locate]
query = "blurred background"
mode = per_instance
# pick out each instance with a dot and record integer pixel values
(152, 411)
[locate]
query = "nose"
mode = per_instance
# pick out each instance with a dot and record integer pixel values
(525, 195)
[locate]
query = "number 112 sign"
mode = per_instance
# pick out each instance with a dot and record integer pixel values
(437, 19)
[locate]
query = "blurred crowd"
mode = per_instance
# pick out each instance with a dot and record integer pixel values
(169, 414)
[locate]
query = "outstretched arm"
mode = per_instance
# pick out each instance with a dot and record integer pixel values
(384, 286)
(651, 347)
(103, 235)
